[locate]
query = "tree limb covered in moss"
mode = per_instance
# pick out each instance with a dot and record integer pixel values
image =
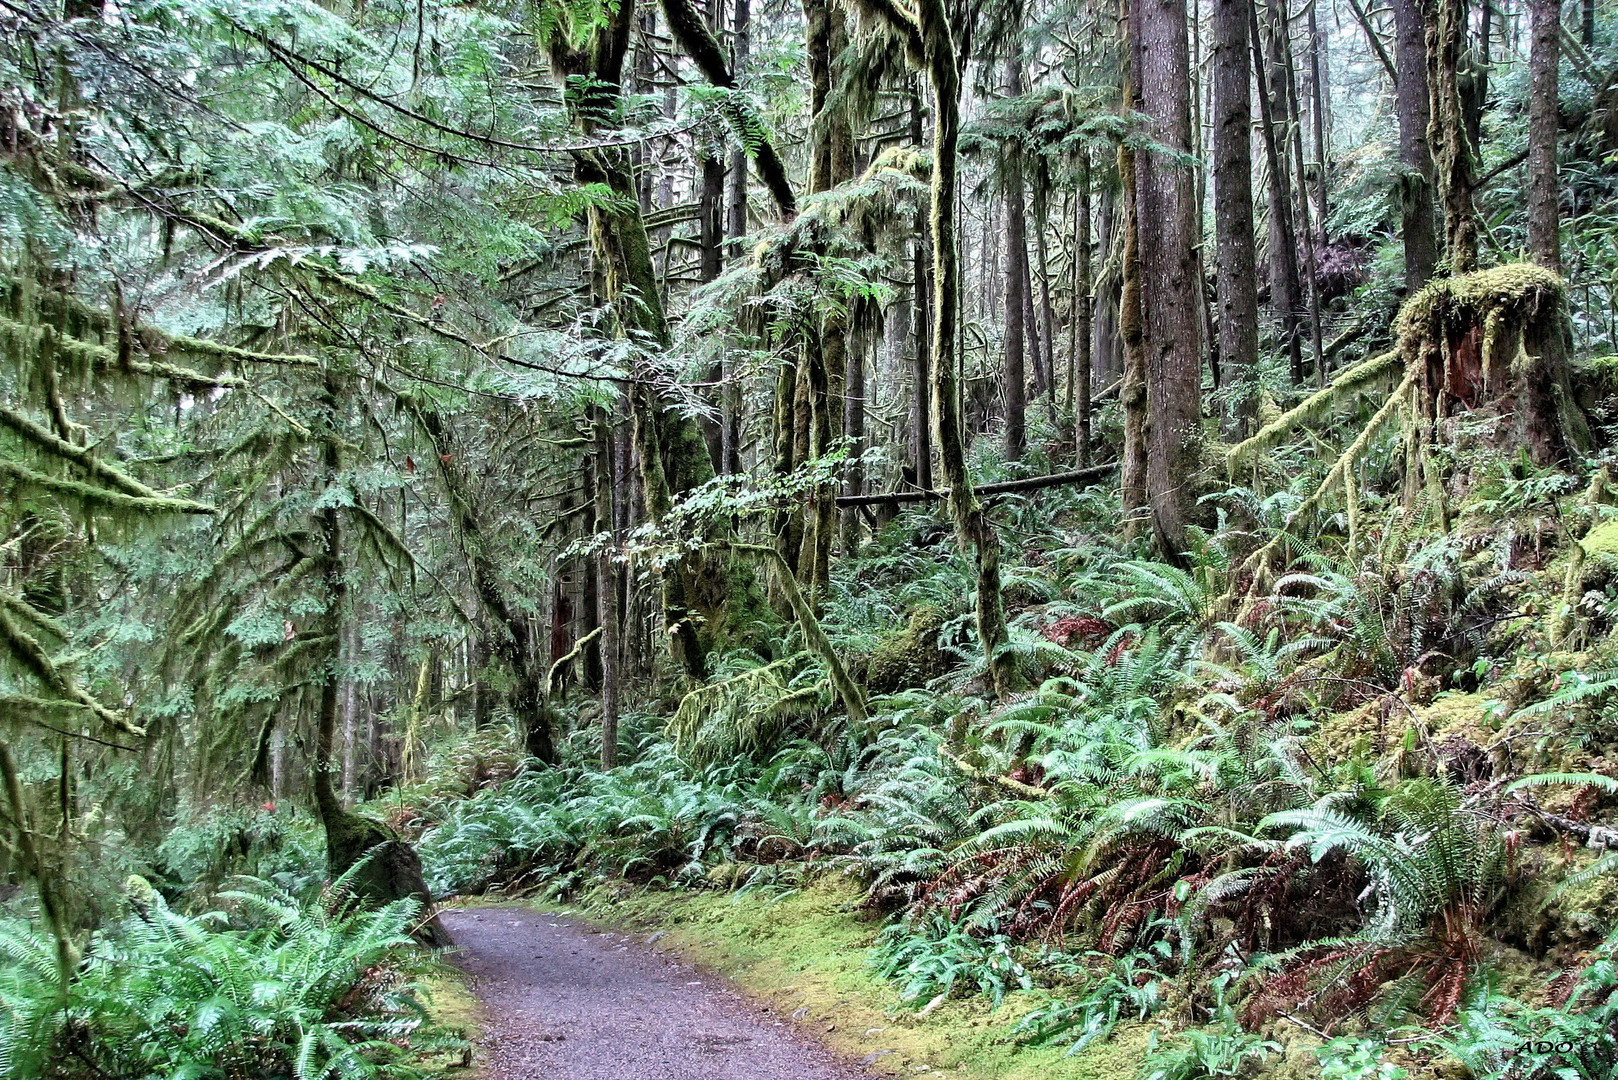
(32, 656)
(847, 689)
(102, 497)
(692, 34)
(52, 443)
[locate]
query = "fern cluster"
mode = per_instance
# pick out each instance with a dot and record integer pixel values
(308, 990)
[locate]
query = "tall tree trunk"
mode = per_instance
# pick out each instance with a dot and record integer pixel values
(1286, 290)
(1417, 227)
(1446, 41)
(1131, 330)
(351, 711)
(936, 46)
(392, 870)
(1306, 227)
(1317, 93)
(1587, 24)
(1016, 258)
(1544, 240)
(1236, 260)
(1106, 343)
(921, 426)
(1167, 223)
(732, 401)
(854, 431)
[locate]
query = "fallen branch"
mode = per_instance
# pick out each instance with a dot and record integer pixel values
(1027, 791)
(1002, 487)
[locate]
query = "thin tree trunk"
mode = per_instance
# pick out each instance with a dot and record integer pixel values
(1079, 357)
(1307, 229)
(1285, 288)
(1166, 222)
(350, 711)
(732, 401)
(1317, 92)
(1016, 258)
(1047, 316)
(854, 431)
(1132, 392)
(1544, 241)
(1106, 344)
(606, 586)
(1417, 227)
(1236, 260)
(972, 526)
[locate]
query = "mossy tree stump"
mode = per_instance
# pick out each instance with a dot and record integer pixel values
(1495, 342)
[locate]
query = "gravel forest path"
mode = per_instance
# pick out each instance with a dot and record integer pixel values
(565, 1000)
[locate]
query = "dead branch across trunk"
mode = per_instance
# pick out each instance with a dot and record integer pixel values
(1002, 487)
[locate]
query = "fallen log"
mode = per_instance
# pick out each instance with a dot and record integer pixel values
(1002, 487)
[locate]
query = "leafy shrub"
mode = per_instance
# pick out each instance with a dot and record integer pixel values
(1124, 987)
(930, 957)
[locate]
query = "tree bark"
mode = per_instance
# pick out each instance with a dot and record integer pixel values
(1047, 315)
(1317, 93)
(1132, 391)
(854, 430)
(1417, 226)
(606, 586)
(732, 401)
(1544, 240)
(1236, 260)
(921, 425)
(1167, 223)
(392, 870)
(1306, 226)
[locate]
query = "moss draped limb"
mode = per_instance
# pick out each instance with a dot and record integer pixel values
(105, 498)
(1338, 474)
(847, 689)
(1312, 407)
(51, 443)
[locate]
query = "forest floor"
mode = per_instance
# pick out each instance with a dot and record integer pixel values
(563, 998)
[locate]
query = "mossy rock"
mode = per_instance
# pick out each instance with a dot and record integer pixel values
(911, 657)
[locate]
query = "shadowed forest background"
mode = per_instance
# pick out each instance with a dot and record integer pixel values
(1113, 496)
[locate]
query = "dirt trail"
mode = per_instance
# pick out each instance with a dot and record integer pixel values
(565, 1001)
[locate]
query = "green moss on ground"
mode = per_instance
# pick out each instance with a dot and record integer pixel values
(805, 956)
(452, 1009)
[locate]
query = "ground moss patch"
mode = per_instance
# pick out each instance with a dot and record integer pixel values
(804, 955)
(452, 1009)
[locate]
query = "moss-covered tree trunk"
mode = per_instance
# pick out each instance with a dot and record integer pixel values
(673, 455)
(391, 869)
